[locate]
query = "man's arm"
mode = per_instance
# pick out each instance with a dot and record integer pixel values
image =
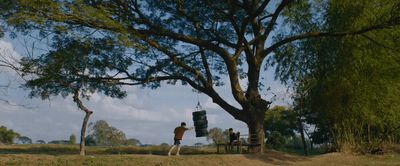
(190, 128)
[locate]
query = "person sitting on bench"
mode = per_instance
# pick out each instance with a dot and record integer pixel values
(233, 138)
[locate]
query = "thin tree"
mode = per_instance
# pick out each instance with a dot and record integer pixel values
(57, 73)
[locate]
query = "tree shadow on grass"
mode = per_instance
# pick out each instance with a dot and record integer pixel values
(276, 158)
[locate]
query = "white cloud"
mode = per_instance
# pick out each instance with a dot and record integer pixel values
(8, 56)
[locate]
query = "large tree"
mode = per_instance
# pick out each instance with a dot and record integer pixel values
(347, 88)
(196, 42)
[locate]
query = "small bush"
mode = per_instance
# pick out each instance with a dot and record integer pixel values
(276, 140)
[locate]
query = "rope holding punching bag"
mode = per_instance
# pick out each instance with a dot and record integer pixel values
(200, 121)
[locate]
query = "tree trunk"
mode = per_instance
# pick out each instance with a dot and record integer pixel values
(310, 139)
(256, 134)
(83, 133)
(303, 139)
(85, 121)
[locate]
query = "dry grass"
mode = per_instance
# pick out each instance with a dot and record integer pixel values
(74, 149)
(334, 159)
(98, 157)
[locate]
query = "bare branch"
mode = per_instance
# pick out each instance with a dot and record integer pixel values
(79, 103)
(261, 8)
(175, 60)
(272, 22)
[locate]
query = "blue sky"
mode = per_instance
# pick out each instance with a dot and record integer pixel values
(147, 115)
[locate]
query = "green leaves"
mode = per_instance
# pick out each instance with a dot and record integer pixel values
(347, 82)
(7, 136)
(106, 135)
(77, 64)
(282, 120)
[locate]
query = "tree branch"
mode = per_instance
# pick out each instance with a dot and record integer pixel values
(321, 34)
(235, 112)
(175, 60)
(272, 22)
(206, 67)
(79, 102)
(261, 8)
(210, 32)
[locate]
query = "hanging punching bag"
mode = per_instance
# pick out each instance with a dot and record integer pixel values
(200, 123)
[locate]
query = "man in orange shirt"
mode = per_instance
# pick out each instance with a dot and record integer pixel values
(179, 131)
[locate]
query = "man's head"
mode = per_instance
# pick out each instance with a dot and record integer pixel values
(183, 124)
(230, 130)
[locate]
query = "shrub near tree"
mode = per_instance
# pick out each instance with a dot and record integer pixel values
(164, 146)
(72, 139)
(280, 119)
(7, 136)
(106, 135)
(279, 125)
(40, 142)
(61, 142)
(102, 134)
(132, 142)
(283, 130)
(276, 140)
(89, 141)
(217, 136)
(24, 140)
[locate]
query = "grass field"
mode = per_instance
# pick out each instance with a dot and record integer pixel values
(66, 155)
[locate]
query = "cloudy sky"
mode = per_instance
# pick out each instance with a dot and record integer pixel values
(147, 115)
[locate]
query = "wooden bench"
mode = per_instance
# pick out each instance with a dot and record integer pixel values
(237, 145)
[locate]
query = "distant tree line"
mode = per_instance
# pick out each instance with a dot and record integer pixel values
(100, 134)
(9, 136)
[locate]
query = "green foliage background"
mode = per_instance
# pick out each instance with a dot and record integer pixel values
(349, 85)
